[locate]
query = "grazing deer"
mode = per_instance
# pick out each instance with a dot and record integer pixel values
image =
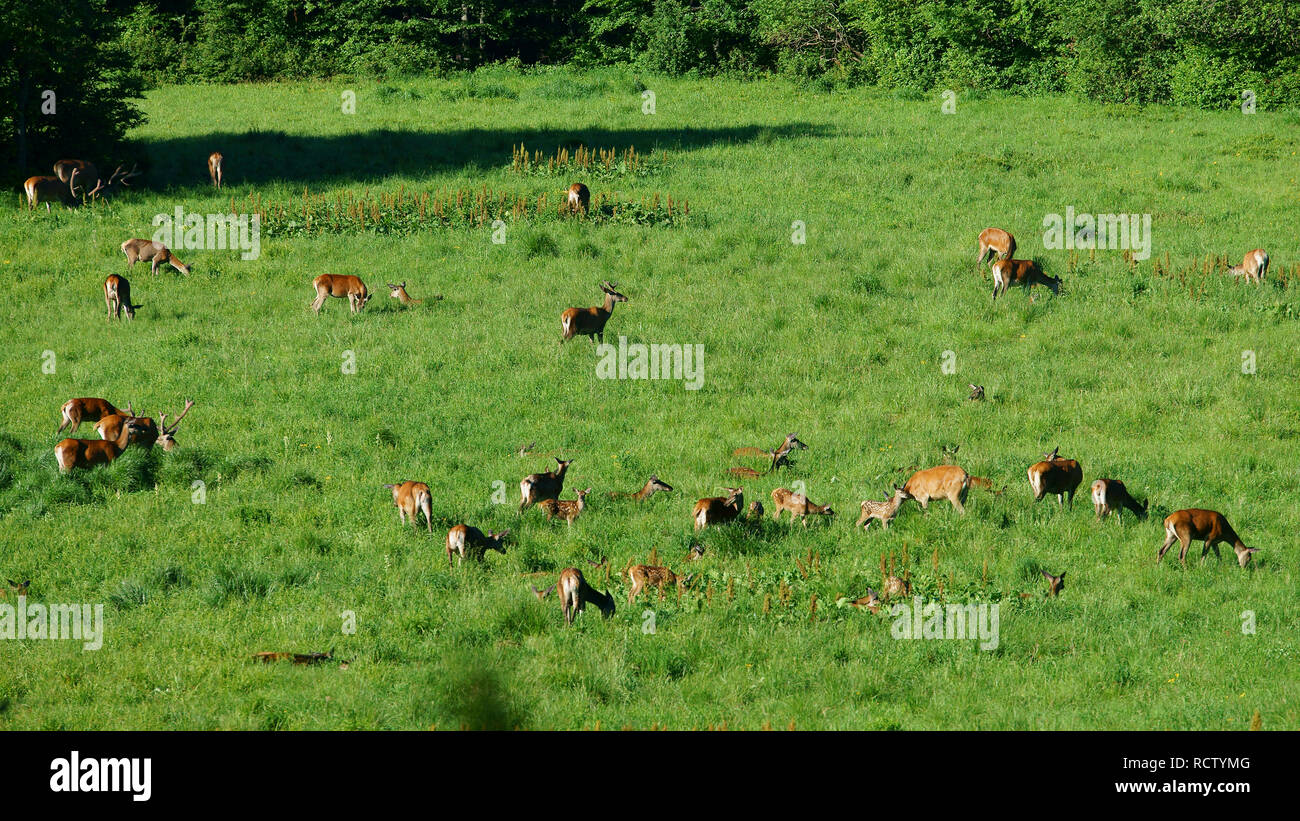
(110, 427)
(1195, 524)
(46, 190)
(537, 487)
(76, 411)
(64, 169)
(1055, 584)
(718, 509)
(644, 575)
(943, 482)
(575, 593)
(340, 286)
(117, 296)
(798, 505)
(411, 499)
(780, 457)
(1023, 273)
(466, 541)
(102, 187)
(652, 486)
(884, 511)
(87, 453)
(566, 510)
(696, 552)
(1055, 475)
(579, 198)
(995, 242)
(590, 322)
(1110, 494)
(15, 588)
(976, 392)
(214, 167)
(155, 252)
(167, 437)
(1254, 267)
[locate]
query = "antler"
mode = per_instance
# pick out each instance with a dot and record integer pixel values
(189, 403)
(118, 176)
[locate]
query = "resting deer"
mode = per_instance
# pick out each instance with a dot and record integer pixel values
(89, 409)
(537, 487)
(87, 453)
(575, 594)
(340, 286)
(798, 505)
(566, 510)
(590, 322)
(1254, 267)
(755, 510)
(943, 482)
(117, 296)
(398, 292)
(579, 198)
(718, 509)
(870, 601)
(1022, 273)
(1195, 524)
(411, 499)
(468, 542)
(1055, 475)
(780, 457)
(1111, 495)
(644, 575)
(146, 433)
(895, 586)
(995, 242)
(1055, 584)
(155, 252)
(214, 167)
(883, 511)
(976, 392)
(652, 486)
(15, 589)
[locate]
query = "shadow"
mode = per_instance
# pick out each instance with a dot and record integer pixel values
(369, 157)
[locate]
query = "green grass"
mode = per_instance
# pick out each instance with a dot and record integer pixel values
(1138, 377)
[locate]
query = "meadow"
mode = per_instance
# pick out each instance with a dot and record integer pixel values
(862, 339)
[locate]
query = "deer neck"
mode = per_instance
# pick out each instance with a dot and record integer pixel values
(609, 304)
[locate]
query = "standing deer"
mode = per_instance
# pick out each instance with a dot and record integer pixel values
(590, 322)
(46, 189)
(536, 487)
(466, 541)
(87, 453)
(64, 169)
(214, 167)
(76, 411)
(575, 593)
(652, 486)
(1254, 267)
(995, 242)
(943, 482)
(117, 295)
(566, 510)
(101, 187)
(155, 252)
(718, 509)
(1111, 495)
(780, 457)
(1023, 273)
(883, 511)
(340, 286)
(1055, 475)
(1203, 525)
(411, 499)
(644, 575)
(579, 198)
(798, 505)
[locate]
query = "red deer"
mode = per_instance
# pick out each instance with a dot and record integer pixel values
(1055, 475)
(468, 542)
(398, 292)
(575, 593)
(87, 453)
(798, 505)
(995, 242)
(718, 509)
(883, 511)
(1111, 495)
(1254, 267)
(590, 322)
(86, 171)
(76, 411)
(155, 252)
(117, 296)
(779, 457)
(47, 189)
(1022, 273)
(411, 499)
(15, 588)
(536, 487)
(943, 482)
(579, 198)
(214, 167)
(1055, 584)
(340, 286)
(147, 433)
(871, 601)
(644, 575)
(100, 186)
(566, 510)
(1195, 524)
(652, 486)
(976, 392)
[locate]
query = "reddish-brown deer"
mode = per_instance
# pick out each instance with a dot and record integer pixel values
(117, 296)
(1209, 526)
(411, 499)
(147, 433)
(579, 198)
(575, 594)
(87, 453)
(155, 253)
(340, 286)
(468, 542)
(1055, 584)
(46, 190)
(1110, 495)
(718, 509)
(590, 322)
(644, 575)
(943, 482)
(214, 167)
(1057, 476)
(995, 242)
(797, 505)
(536, 487)
(652, 486)
(86, 171)
(15, 589)
(1022, 273)
(88, 409)
(1254, 267)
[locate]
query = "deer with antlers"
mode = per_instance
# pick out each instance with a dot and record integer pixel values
(155, 252)
(590, 322)
(102, 187)
(117, 296)
(214, 167)
(780, 457)
(147, 433)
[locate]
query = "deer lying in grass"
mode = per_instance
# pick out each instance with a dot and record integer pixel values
(590, 322)
(644, 575)
(468, 542)
(566, 510)
(1022, 273)
(398, 292)
(895, 586)
(575, 594)
(1254, 267)
(1209, 526)
(718, 509)
(996, 243)
(870, 601)
(755, 510)
(652, 486)
(943, 482)
(88, 409)
(1111, 495)
(1055, 475)
(410, 499)
(883, 511)
(976, 392)
(340, 286)
(147, 433)
(214, 167)
(155, 252)
(1055, 584)
(538, 487)
(117, 296)
(579, 198)
(780, 457)
(798, 505)
(87, 453)
(15, 589)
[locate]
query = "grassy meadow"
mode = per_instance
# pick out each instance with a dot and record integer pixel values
(1135, 372)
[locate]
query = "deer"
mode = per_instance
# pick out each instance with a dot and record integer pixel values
(652, 486)
(340, 286)
(1055, 584)
(871, 601)
(718, 509)
(87, 453)
(398, 292)
(644, 575)
(214, 167)
(1209, 526)
(46, 189)
(117, 296)
(976, 392)
(1023, 273)
(1254, 267)
(542, 594)
(590, 322)
(155, 252)
(579, 198)
(1111, 495)
(883, 511)
(88, 409)
(167, 437)
(537, 487)
(102, 187)
(15, 588)
(998, 243)
(894, 586)
(411, 499)
(64, 169)
(566, 510)
(1055, 475)
(466, 541)
(780, 457)
(147, 433)
(575, 593)
(798, 505)
(755, 511)
(943, 482)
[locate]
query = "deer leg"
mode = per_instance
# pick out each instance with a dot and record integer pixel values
(1165, 548)
(1185, 541)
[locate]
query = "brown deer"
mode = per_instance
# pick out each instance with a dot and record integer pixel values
(718, 509)
(147, 433)
(1254, 267)
(64, 169)
(1195, 524)
(411, 499)
(1022, 273)
(167, 437)
(468, 542)
(755, 510)
(214, 167)
(1055, 584)
(155, 252)
(579, 198)
(575, 593)
(652, 486)
(590, 322)
(976, 392)
(15, 589)
(895, 586)
(117, 296)
(995, 242)
(943, 482)
(340, 286)
(398, 292)
(101, 187)
(883, 511)
(644, 575)
(537, 487)
(1055, 475)
(1111, 495)
(870, 601)
(46, 190)
(89, 409)
(798, 505)
(780, 457)
(566, 510)
(87, 453)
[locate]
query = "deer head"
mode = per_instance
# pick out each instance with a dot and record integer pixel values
(166, 435)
